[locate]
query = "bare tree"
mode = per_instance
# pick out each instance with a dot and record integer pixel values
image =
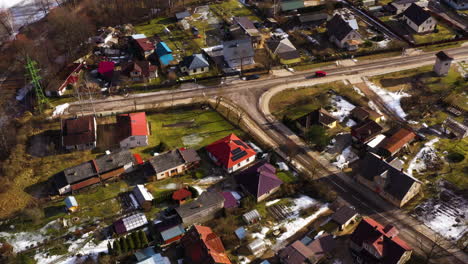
(6, 21)
(431, 250)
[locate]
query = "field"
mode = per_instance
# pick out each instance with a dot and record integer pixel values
(233, 8)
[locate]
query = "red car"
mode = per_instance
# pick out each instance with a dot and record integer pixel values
(320, 74)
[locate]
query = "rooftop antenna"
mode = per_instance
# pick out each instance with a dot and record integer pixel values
(33, 74)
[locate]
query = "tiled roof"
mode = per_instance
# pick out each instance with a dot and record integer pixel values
(230, 151)
(106, 68)
(181, 194)
(366, 130)
(398, 140)
(213, 244)
(145, 67)
(259, 179)
(195, 61)
(133, 124)
(238, 49)
(204, 202)
(383, 239)
(78, 131)
(416, 14)
(145, 44)
(229, 200)
(172, 159)
(338, 27)
(343, 214)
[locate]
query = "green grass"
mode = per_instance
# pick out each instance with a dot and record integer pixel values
(232, 8)
(206, 126)
(286, 176)
(444, 33)
(312, 66)
(454, 172)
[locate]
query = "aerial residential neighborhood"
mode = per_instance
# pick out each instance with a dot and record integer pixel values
(234, 131)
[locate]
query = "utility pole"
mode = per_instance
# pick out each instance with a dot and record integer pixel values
(32, 74)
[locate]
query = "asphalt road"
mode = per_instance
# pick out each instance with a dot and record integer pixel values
(250, 96)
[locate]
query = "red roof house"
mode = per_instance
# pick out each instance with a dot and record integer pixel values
(181, 195)
(398, 141)
(134, 130)
(375, 243)
(231, 153)
(202, 246)
(106, 69)
(79, 133)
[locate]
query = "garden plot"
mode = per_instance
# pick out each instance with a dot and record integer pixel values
(341, 107)
(424, 158)
(447, 214)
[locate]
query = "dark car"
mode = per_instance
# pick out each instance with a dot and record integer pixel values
(250, 77)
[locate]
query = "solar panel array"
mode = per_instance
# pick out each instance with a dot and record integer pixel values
(135, 221)
(240, 143)
(237, 153)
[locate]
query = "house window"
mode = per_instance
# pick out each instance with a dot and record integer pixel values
(195, 70)
(132, 138)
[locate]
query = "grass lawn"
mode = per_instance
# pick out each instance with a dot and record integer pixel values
(286, 176)
(454, 172)
(444, 33)
(295, 103)
(233, 8)
(194, 128)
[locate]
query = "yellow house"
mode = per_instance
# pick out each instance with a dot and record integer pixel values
(283, 49)
(317, 117)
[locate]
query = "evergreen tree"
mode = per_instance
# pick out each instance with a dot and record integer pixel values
(116, 248)
(143, 238)
(109, 248)
(130, 242)
(136, 239)
(124, 245)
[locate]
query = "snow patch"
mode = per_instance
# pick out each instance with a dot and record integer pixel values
(426, 154)
(391, 99)
(342, 107)
(191, 140)
(210, 180)
(272, 202)
(60, 109)
(346, 157)
(350, 123)
(358, 91)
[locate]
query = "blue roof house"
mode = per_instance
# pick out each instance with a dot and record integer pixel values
(172, 234)
(164, 53)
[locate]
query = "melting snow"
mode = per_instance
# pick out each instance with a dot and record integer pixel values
(346, 157)
(192, 139)
(425, 154)
(350, 123)
(210, 180)
(392, 100)
(358, 91)
(60, 109)
(343, 107)
(272, 202)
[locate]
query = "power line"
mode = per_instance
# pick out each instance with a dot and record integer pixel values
(33, 74)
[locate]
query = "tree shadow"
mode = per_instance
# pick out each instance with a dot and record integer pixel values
(42, 189)
(52, 211)
(45, 144)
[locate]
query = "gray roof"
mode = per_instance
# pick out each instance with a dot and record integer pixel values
(172, 159)
(114, 160)
(279, 46)
(205, 201)
(343, 214)
(338, 27)
(397, 182)
(79, 172)
(416, 14)
(443, 56)
(195, 61)
(182, 15)
(237, 49)
(401, 2)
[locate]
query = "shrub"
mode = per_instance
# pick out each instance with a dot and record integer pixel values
(199, 174)
(194, 191)
(455, 157)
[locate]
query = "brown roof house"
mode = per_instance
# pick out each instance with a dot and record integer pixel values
(344, 216)
(318, 117)
(455, 128)
(173, 162)
(392, 145)
(206, 207)
(140, 71)
(103, 168)
(259, 180)
(389, 182)
(373, 243)
(361, 114)
(307, 250)
(365, 131)
(79, 133)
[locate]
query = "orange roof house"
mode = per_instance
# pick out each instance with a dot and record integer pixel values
(202, 246)
(231, 153)
(134, 130)
(181, 195)
(397, 141)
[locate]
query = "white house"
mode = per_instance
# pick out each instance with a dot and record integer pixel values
(419, 19)
(194, 64)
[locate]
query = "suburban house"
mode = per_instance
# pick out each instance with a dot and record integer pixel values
(457, 4)
(361, 114)
(149, 256)
(133, 130)
(308, 250)
(259, 180)
(164, 54)
(105, 167)
(130, 223)
(170, 233)
(202, 246)
(230, 200)
(231, 153)
(144, 45)
(106, 70)
(238, 53)
(317, 117)
(344, 217)
(71, 204)
(343, 34)
(399, 6)
(251, 217)
(181, 195)
(442, 64)
(365, 131)
(204, 208)
(143, 197)
(393, 144)
(247, 28)
(69, 76)
(194, 64)
(140, 71)
(419, 19)
(79, 133)
(389, 182)
(283, 50)
(455, 128)
(173, 162)
(373, 243)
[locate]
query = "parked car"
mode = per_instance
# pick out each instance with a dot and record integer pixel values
(320, 74)
(250, 77)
